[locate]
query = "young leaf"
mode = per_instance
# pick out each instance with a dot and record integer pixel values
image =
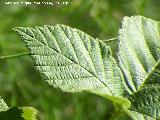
(74, 61)
(139, 61)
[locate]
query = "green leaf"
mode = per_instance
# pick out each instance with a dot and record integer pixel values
(147, 101)
(138, 55)
(15, 113)
(74, 61)
(137, 116)
(3, 105)
(29, 113)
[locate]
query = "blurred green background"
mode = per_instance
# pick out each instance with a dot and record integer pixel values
(22, 85)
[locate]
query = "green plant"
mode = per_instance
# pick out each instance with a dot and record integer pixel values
(14, 113)
(74, 61)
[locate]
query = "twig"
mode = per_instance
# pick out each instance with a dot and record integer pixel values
(112, 39)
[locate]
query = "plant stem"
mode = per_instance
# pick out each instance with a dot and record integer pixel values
(112, 39)
(14, 56)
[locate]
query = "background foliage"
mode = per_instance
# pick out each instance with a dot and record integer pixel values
(22, 85)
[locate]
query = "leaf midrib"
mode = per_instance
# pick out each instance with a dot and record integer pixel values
(89, 56)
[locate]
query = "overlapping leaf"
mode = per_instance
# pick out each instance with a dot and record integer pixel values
(139, 61)
(74, 61)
